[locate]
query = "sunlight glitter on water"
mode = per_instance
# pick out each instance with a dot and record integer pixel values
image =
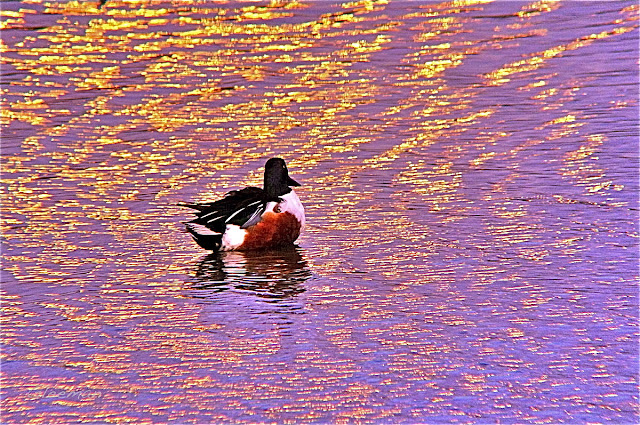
(470, 177)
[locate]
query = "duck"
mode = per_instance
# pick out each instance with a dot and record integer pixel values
(251, 218)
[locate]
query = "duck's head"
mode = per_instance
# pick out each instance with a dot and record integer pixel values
(276, 178)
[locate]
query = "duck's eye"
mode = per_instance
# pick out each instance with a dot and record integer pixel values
(277, 209)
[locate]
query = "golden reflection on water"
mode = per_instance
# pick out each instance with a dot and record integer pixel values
(470, 228)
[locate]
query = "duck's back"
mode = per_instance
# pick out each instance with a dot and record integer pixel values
(241, 208)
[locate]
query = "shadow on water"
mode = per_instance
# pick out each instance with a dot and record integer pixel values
(271, 275)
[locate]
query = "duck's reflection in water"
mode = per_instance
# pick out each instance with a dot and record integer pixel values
(272, 276)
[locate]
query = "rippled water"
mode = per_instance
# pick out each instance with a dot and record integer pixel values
(470, 175)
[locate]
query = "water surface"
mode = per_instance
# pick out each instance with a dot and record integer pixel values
(470, 176)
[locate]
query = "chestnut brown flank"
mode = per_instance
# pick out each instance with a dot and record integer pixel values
(275, 229)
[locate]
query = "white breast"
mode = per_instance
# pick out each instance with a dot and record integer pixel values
(291, 204)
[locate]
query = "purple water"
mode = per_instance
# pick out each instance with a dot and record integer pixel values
(470, 177)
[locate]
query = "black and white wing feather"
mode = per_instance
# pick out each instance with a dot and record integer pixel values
(242, 208)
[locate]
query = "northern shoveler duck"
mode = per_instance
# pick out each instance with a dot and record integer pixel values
(251, 218)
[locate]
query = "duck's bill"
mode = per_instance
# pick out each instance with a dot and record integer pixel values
(292, 182)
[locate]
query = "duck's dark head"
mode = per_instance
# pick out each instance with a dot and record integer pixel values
(276, 178)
